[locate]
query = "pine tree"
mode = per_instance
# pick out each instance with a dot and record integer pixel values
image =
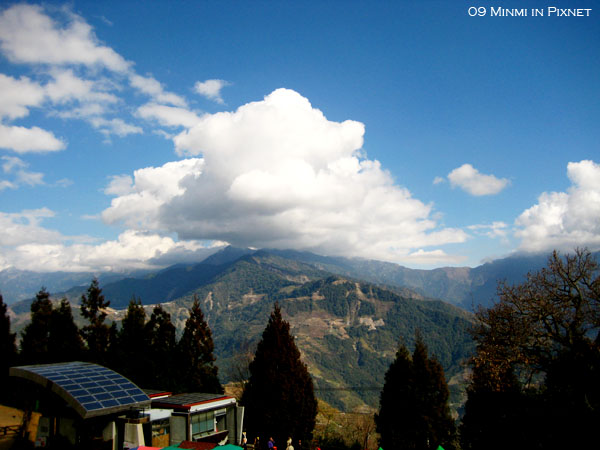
(35, 337)
(8, 348)
(97, 333)
(436, 425)
(65, 342)
(279, 396)
(414, 412)
(396, 389)
(132, 348)
(161, 346)
(195, 352)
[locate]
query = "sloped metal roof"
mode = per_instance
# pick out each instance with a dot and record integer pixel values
(92, 390)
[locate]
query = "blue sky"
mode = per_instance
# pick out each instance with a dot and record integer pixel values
(138, 134)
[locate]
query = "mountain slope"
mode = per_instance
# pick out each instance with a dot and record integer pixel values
(463, 286)
(347, 330)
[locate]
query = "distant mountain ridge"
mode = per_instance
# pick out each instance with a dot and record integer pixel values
(16, 285)
(462, 286)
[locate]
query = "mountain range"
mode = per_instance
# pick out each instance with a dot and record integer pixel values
(347, 315)
(462, 286)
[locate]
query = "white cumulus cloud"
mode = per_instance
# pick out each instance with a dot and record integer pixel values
(27, 245)
(277, 173)
(564, 220)
(211, 89)
(25, 228)
(475, 183)
(18, 95)
(27, 35)
(24, 140)
(139, 200)
(66, 87)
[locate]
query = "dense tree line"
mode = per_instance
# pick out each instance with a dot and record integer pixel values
(146, 351)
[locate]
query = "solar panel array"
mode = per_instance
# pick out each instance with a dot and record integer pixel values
(190, 399)
(93, 387)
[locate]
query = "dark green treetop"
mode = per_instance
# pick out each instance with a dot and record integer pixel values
(133, 344)
(413, 406)
(161, 348)
(35, 337)
(65, 343)
(195, 353)
(97, 333)
(8, 348)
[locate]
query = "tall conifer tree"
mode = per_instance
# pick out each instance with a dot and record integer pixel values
(65, 342)
(132, 347)
(435, 423)
(195, 350)
(8, 348)
(97, 333)
(497, 412)
(35, 337)
(279, 396)
(398, 381)
(161, 346)
(414, 412)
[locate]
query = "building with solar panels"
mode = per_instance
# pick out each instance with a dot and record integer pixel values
(197, 417)
(82, 404)
(85, 405)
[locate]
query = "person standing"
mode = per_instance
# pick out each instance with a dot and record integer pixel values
(289, 444)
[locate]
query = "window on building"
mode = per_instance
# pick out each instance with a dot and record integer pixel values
(203, 424)
(160, 427)
(221, 422)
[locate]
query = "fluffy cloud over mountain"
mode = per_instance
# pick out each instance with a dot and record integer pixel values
(26, 244)
(277, 173)
(564, 220)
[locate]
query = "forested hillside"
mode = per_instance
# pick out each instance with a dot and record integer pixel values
(347, 330)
